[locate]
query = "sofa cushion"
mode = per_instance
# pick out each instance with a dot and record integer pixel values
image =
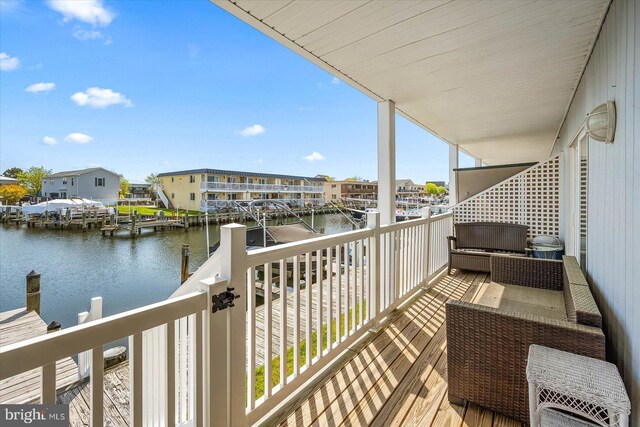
(523, 300)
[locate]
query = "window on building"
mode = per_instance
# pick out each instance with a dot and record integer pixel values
(173, 196)
(333, 196)
(192, 179)
(64, 181)
(72, 182)
(333, 186)
(192, 196)
(99, 182)
(172, 179)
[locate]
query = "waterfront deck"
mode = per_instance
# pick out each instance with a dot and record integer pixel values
(399, 375)
(17, 325)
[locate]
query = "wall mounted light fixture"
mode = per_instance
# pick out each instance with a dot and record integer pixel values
(601, 122)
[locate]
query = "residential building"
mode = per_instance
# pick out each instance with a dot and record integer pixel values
(5, 180)
(202, 189)
(541, 82)
(348, 189)
(92, 183)
(139, 191)
(407, 188)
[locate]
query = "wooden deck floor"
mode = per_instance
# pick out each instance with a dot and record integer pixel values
(399, 376)
(17, 325)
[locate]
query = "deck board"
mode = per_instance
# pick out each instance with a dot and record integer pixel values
(18, 325)
(399, 378)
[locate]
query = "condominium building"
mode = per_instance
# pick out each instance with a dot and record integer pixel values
(336, 190)
(202, 189)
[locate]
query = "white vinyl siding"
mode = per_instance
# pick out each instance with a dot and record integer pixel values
(613, 220)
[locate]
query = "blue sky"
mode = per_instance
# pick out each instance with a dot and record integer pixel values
(155, 86)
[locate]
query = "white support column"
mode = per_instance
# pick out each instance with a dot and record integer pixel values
(478, 162)
(453, 164)
(387, 161)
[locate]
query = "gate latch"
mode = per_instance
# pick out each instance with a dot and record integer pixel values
(223, 300)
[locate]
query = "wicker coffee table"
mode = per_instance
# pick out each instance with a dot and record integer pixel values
(581, 385)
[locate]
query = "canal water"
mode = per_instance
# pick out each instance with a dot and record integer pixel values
(126, 272)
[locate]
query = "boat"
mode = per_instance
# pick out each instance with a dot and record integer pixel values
(62, 205)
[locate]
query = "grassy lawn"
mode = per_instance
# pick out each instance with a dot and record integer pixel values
(275, 370)
(150, 210)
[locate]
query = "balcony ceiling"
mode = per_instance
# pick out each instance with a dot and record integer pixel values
(495, 77)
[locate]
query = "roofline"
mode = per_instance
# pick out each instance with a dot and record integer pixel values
(509, 165)
(238, 173)
(77, 172)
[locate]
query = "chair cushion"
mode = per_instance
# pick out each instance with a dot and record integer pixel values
(522, 299)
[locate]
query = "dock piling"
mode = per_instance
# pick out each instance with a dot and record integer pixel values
(33, 292)
(184, 272)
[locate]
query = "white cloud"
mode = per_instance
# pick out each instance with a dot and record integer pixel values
(47, 140)
(11, 6)
(89, 11)
(40, 87)
(335, 81)
(8, 62)
(78, 138)
(252, 130)
(96, 97)
(82, 34)
(314, 157)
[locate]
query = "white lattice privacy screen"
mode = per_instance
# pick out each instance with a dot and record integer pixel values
(531, 197)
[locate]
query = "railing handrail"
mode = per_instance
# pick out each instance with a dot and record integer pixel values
(413, 222)
(39, 351)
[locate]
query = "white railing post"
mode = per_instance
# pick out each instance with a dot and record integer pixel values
(233, 244)
(373, 263)
(426, 214)
(95, 313)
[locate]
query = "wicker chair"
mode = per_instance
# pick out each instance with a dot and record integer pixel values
(474, 242)
(529, 301)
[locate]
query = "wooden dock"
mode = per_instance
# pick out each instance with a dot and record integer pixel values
(18, 325)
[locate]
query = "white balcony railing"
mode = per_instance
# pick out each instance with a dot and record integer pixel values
(210, 204)
(189, 365)
(239, 187)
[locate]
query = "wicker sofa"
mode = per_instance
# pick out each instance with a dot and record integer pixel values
(529, 301)
(474, 242)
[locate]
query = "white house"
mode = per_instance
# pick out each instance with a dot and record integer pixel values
(92, 183)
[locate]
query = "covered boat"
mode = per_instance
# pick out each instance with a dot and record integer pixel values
(57, 205)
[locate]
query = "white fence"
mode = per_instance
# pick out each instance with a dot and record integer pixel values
(189, 365)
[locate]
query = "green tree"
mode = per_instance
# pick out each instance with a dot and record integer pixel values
(11, 194)
(152, 179)
(355, 178)
(124, 186)
(431, 189)
(12, 172)
(441, 190)
(32, 179)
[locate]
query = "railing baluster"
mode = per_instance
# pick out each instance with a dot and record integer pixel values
(347, 289)
(308, 284)
(329, 298)
(48, 384)
(268, 314)
(251, 327)
(198, 374)
(296, 315)
(135, 380)
(319, 271)
(97, 386)
(171, 374)
(338, 293)
(362, 282)
(183, 332)
(354, 285)
(283, 323)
